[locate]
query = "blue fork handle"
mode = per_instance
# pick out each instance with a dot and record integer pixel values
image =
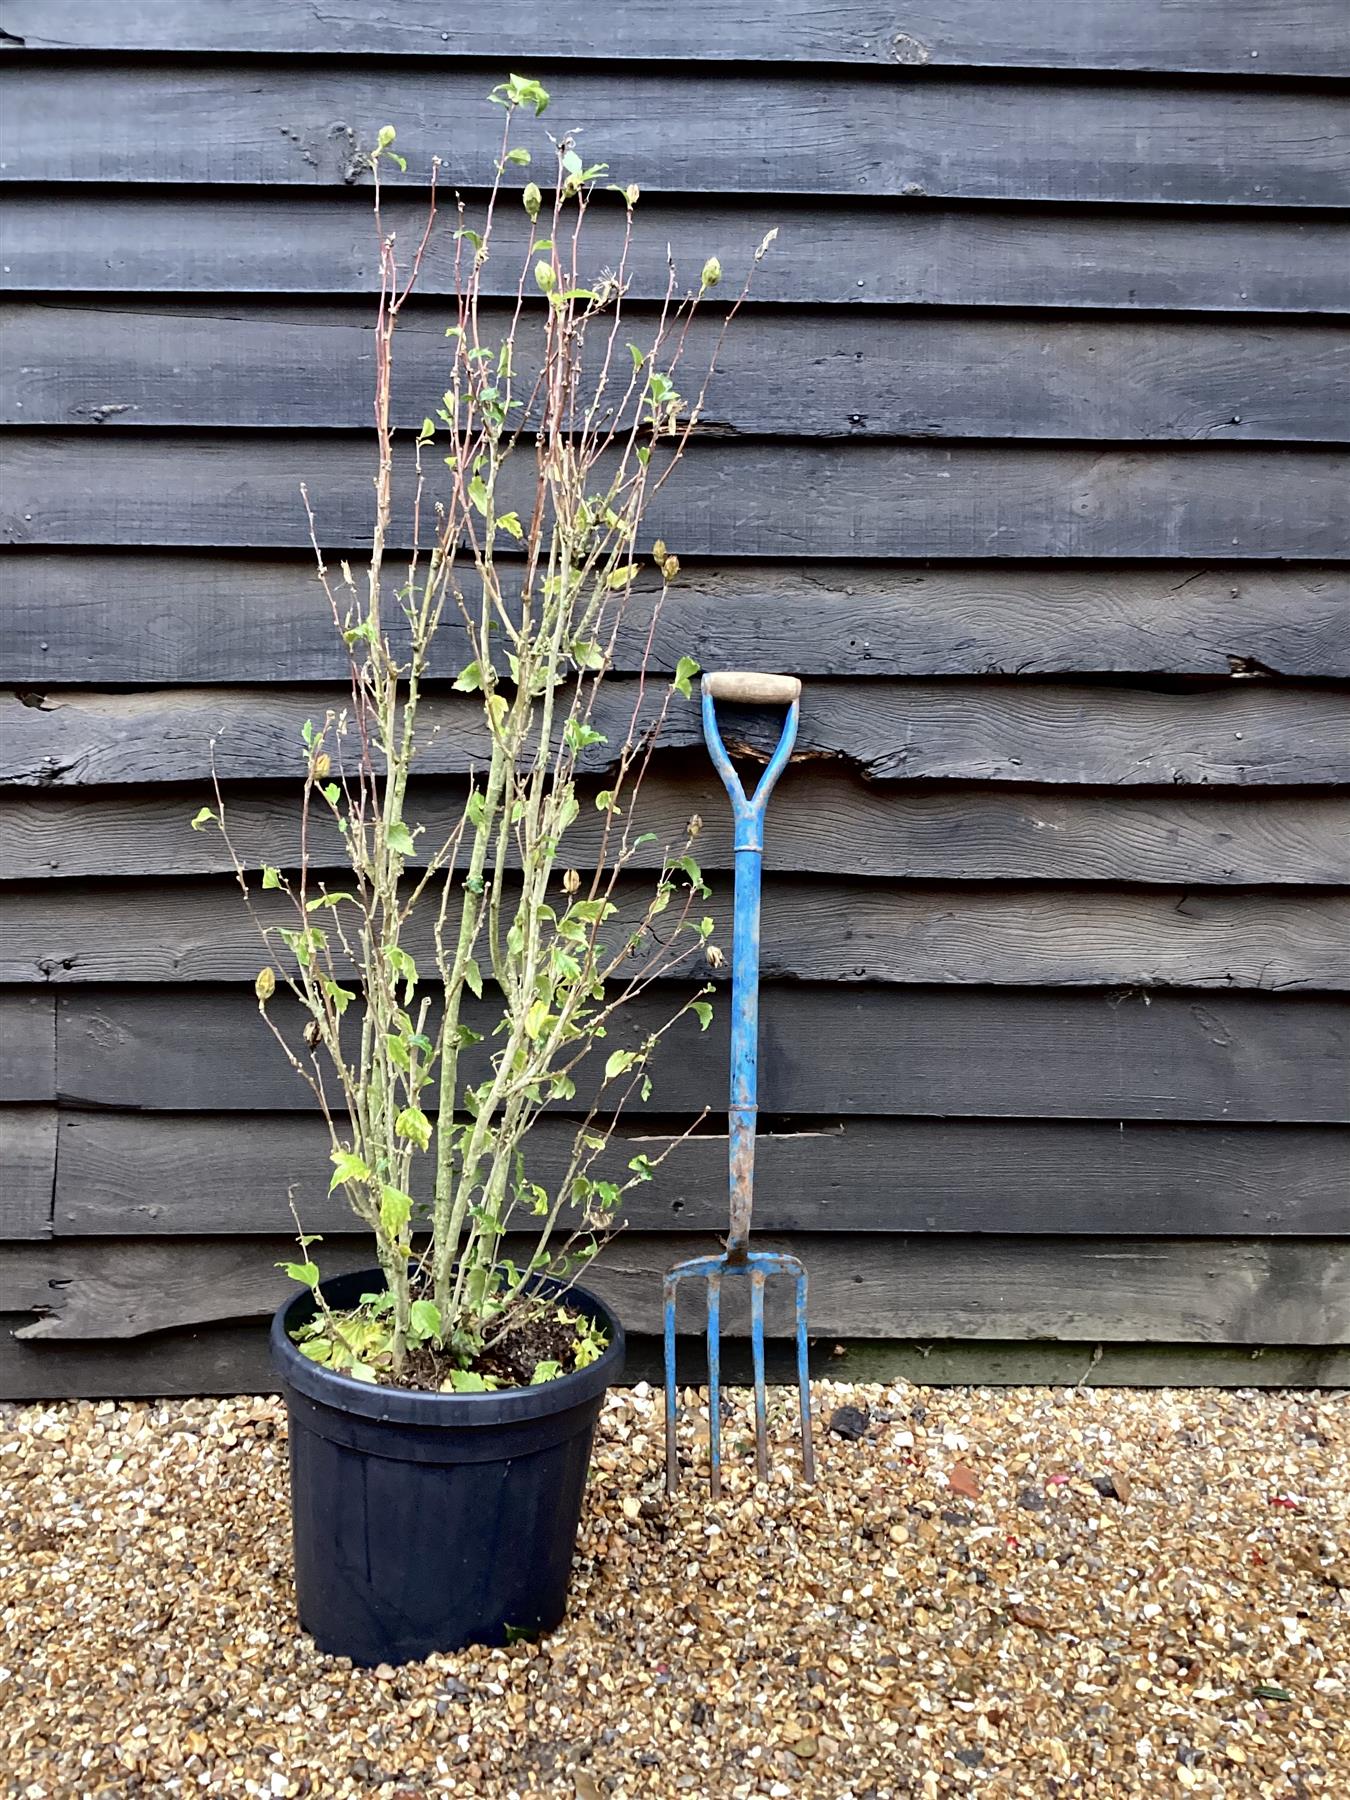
(748, 817)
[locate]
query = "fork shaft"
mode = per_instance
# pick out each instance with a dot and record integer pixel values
(744, 1042)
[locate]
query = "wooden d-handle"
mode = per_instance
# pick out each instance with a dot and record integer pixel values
(743, 687)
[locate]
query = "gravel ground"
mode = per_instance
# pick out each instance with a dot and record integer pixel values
(998, 1592)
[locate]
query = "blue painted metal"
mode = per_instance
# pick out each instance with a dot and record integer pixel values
(738, 1258)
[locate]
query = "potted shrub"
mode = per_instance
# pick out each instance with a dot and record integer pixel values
(463, 974)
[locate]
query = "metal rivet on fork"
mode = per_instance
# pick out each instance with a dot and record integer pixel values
(738, 1258)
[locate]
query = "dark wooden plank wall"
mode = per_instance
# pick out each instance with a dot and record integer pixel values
(1029, 454)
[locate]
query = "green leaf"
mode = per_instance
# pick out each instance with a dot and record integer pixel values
(473, 978)
(204, 818)
(386, 136)
(413, 1124)
(402, 968)
(469, 679)
(466, 1381)
(622, 578)
(1268, 1691)
(604, 801)
(306, 1273)
(425, 1318)
(646, 1089)
(619, 1062)
(702, 1011)
(519, 156)
(322, 901)
(360, 1371)
(347, 1167)
(586, 654)
(637, 356)
(400, 839)
(478, 494)
(532, 199)
(271, 877)
(592, 912)
(511, 525)
(318, 1350)
(544, 278)
(427, 432)
(546, 1369)
(578, 736)
(685, 670)
(395, 1210)
(712, 273)
(339, 997)
(642, 1167)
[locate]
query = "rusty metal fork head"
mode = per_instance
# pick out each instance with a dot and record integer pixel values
(757, 1265)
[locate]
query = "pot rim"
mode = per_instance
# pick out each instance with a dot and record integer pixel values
(410, 1406)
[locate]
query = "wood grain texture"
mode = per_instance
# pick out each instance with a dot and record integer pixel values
(27, 1171)
(1246, 734)
(148, 617)
(161, 1175)
(827, 1052)
(812, 930)
(233, 1358)
(1102, 1290)
(795, 374)
(852, 252)
(27, 1047)
(691, 131)
(732, 499)
(1252, 37)
(825, 822)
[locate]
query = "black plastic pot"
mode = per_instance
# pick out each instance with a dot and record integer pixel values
(425, 1522)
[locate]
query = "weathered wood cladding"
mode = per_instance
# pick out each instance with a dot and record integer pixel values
(694, 130)
(1028, 454)
(1255, 37)
(86, 617)
(868, 375)
(910, 252)
(747, 498)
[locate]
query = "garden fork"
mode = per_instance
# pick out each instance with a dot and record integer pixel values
(738, 1258)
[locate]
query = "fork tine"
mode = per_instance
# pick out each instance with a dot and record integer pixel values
(757, 1357)
(715, 1385)
(804, 1383)
(672, 1463)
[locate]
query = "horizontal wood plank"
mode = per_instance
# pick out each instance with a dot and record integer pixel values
(233, 1358)
(1246, 734)
(691, 131)
(824, 822)
(139, 240)
(1101, 1290)
(843, 375)
(827, 1052)
(160, 1175)
(139, 617)
(27, 1047)
(1255, 37)
(812, 930)
(733, 499)
(27, 1171)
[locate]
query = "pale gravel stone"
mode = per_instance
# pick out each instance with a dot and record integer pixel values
(879, 1636)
